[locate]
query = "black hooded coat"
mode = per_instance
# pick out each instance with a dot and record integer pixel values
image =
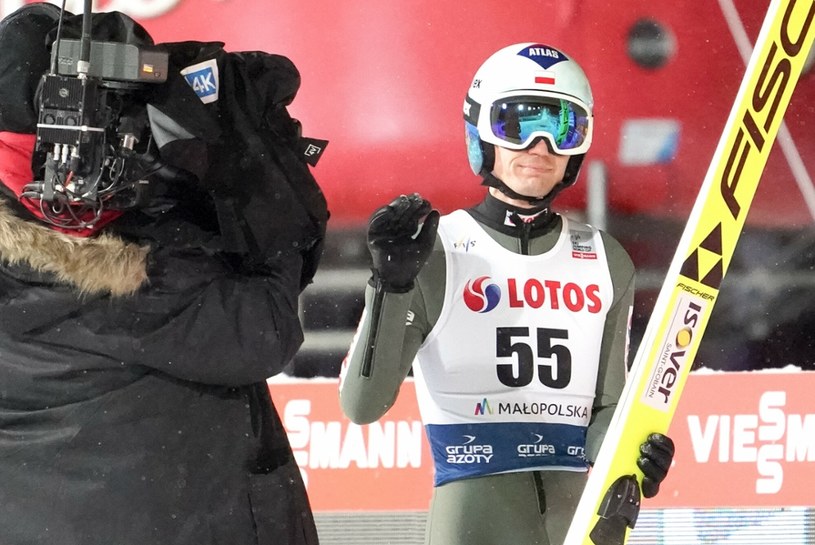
(134, 408)
(142, 418)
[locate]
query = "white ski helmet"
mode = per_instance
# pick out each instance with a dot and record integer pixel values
(526, 91)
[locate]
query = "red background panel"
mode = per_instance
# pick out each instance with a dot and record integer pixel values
(385, 81)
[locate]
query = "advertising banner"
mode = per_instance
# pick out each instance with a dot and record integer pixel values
(384, 466)
(744, 440)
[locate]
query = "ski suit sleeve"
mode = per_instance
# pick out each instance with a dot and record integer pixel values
(390, 333)
(614, 349)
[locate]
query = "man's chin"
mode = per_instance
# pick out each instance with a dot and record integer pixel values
(534, 187)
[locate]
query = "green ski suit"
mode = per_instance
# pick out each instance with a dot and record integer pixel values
(519, 508)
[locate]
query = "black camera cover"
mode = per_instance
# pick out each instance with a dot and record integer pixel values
(24, 58)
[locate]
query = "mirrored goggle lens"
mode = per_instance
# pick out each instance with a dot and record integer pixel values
(520, 119)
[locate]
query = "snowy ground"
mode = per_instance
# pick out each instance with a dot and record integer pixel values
(790, 526)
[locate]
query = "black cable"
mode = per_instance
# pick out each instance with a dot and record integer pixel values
(55, 58)
(85, 43)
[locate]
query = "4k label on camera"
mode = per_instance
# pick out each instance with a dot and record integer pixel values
(610, 504)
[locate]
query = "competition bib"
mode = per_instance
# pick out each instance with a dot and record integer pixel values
(506, 379)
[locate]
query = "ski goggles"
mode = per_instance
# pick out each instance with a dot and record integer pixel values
(515, 122)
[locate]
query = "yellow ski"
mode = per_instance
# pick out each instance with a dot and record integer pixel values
(610, 504)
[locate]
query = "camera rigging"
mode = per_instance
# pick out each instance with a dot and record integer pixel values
(92, 130)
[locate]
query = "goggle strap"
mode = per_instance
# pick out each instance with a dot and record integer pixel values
(471, 110)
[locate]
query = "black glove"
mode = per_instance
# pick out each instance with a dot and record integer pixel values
(398, 247)
(656, 455)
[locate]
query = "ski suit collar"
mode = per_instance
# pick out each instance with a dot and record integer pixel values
(512, 220)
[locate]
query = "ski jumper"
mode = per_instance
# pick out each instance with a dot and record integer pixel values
(511, 440)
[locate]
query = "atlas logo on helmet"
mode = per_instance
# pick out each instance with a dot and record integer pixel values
(543, 55)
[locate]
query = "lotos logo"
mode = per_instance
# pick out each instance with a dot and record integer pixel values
(481, 298)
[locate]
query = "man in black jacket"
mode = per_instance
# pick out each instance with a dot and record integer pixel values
(135, 348)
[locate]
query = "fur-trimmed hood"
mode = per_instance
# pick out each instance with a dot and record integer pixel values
(94, 265)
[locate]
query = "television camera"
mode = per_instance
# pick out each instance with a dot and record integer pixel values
(92, 130)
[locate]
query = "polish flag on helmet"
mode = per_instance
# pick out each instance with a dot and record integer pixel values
(545, 77)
